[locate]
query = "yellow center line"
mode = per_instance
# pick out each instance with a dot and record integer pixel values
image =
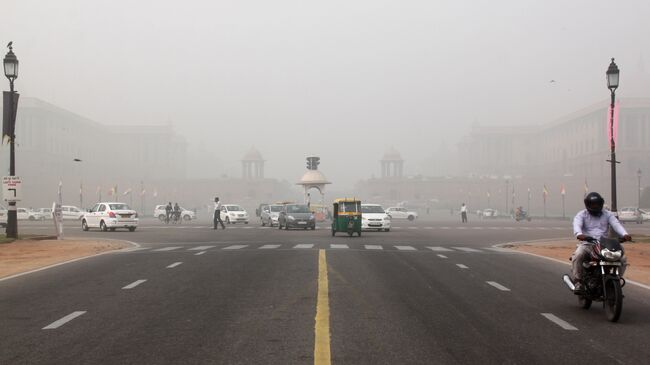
(322, 352)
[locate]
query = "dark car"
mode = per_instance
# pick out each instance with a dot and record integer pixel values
(296, 216)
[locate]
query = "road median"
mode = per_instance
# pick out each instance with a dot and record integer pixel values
(638, 254)
(22, 256)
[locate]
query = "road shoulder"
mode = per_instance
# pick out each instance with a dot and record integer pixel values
(24, 256)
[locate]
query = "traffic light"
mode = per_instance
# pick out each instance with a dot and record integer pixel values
(309, 164)
(313, 162)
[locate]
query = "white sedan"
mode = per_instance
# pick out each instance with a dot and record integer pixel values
(401, 213)
(631, 214)
(24, 214)
(374, 217)
(231, 213)
(160, 213)
(110, 216)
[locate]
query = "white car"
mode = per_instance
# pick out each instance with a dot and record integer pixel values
(46, 212)
(490, 213)
(231, 213)
(270, 213)
(373, 216)
(71, 212)
(630, 214)
(110, 216)
(160, 213)
(401, 213)
(24, 214)
(3, 216)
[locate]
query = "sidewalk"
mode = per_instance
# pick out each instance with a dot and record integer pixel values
(26, 255)
(638, 254)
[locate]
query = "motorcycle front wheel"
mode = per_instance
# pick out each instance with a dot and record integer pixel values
(613, 302)
(585, 303)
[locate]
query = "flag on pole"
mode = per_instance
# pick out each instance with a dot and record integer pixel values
(563, 190)
(545, 191)
(113, 191)
(143, 192)
(488, 194)
(99, 189)
(586, 187)
(155, 192)
(127, 191)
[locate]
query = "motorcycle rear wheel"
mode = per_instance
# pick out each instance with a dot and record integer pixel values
(613, 302)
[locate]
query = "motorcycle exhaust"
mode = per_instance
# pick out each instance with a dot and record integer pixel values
(568, 282)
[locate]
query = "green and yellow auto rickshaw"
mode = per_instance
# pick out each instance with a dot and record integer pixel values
(347, 216)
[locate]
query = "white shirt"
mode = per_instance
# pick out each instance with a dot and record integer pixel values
(463, 209)
(596, 227)
(217, 205)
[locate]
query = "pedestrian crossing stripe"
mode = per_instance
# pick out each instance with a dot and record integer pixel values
(334, 246)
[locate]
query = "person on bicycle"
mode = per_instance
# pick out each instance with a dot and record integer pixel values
(593, 221)
(168, 211)
(177, 212)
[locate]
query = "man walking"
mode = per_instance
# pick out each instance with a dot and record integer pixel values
(217, 215)
(463, 213)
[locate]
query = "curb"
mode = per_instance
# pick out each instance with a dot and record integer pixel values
(135, 244)
(499, 245)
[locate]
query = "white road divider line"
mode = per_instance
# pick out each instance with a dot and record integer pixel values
(428, 228)
(462, 266)
(439, 249)
(442, 256)
(200, 248)
(497, 285)
(200, 253)
(560, 322)
(466, 249)
(414, 227)
(373, 247)
(444, 227)
(335, 245)
(58, 323)
(405, 248)
(304, 245)
(167, 249)
(174, 265)
(269, 247)
(235, 247)
(134, 284)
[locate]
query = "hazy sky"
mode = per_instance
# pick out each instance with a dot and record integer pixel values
(341, 79)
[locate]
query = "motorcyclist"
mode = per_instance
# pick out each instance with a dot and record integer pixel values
(593, 221)
(168, 211)
(177, 211)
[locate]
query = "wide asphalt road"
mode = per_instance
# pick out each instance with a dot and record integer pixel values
(428, 292)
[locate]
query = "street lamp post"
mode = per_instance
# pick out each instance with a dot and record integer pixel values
(612, 84)
(81, 192)
(10, 63)
(638, 190)
(507, 212)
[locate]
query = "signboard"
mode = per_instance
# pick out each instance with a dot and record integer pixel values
(12, 188)
(57, 218)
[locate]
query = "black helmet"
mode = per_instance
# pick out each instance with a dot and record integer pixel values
(594, 203)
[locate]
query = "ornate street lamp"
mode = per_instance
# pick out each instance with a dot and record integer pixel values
(612, 84)
(10, 63)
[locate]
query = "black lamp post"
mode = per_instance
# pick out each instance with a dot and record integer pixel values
(10, 63)
(612, 85)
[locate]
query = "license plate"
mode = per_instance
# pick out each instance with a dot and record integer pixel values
(302, 222)
(374, 224)
(608, 263)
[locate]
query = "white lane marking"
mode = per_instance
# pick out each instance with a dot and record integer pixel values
(167, 248)
(200, 253)
(429, 228)
(200, 248)
(235, 247)
(439, 249)
(414, 227)
(134, 284)
(461, 227)
(542, 228)
(335, 245)
(477, 227)
(497, 285)
(304, 245)
(462, 266)
(248, 227)
(442, 256)
(510, 228)
(444, 227)
(174, 265)
(405, 248)
(58, 323)
(269, 247)
(466, 249)
(373, 247)
(560, 322)
(493, 227)
(498, 249)
(137, 249)
(559, 228)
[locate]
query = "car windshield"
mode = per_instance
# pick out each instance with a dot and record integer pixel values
(371, 209)
(297, 209)
(234, 208)
(119, 206)
(276, 208)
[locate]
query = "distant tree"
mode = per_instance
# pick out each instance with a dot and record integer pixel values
(645, 197)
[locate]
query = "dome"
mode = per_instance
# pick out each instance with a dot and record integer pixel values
(313, 177)
(392, 155)
(253, 155)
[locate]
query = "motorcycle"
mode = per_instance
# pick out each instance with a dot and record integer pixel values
(602, 281)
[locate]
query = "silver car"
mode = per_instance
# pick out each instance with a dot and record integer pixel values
(270, 213)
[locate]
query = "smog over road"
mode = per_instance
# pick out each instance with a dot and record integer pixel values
(404, 149)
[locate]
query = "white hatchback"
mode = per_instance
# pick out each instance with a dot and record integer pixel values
(24, 214)
(401, 213)
(231, 213)
(110, 216)
(373, 217)
(71, 212)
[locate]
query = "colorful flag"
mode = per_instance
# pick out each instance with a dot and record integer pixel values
(586, 187)
(488, 194)
(563, 190)
(545, 191)
(127, 191)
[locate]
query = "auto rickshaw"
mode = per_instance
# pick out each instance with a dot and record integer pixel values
(347, 216)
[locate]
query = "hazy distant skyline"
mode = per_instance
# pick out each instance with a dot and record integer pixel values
(294, 78)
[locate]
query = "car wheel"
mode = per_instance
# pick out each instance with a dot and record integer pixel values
(263, 224)
(102, 226)
(313, 228)
(333, 233)
(187, 217)
(161, 217)
(84, 225)
(31, 218)
(411, 217)
(387, 230)
(131, 229)
(246, 222)
(112, 229)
